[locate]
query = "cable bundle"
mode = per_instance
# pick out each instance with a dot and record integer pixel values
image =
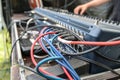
(65, 44)
(52, 51)
(69, 43)
(46, 36)
(65, 47)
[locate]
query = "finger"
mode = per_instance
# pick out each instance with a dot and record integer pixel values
(82, 11)
(77, 10)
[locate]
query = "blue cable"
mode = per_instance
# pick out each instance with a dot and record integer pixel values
(64, 64)
(53, 51)
(65, 61)
(45, 75)
(62, 55)
(47, 30)
(53, 55)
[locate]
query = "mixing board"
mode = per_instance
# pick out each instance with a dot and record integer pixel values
(90, 45)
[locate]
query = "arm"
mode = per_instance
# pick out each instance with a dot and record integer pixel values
(84, 7)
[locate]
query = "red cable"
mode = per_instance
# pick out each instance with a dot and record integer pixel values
(64, 69)
(35, 63)
(67, 73)
(32, 49)
(112, 43)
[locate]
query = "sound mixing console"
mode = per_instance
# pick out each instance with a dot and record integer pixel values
(86, 45)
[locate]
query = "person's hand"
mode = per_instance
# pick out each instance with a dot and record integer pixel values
(80, 9)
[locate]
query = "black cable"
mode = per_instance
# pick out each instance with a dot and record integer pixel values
(91, 49)
(83, 52)
(99, 64)
(28, 68)
(77, 36)
(24, 31)
(105, 57)
(69, 4)
(78, 53)
(38, 50)
(66, 30)
(31, 28)
(54, 26)
(92, 61)
(16, 41)
(96, 63)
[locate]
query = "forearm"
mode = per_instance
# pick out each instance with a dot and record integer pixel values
(95, 3)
